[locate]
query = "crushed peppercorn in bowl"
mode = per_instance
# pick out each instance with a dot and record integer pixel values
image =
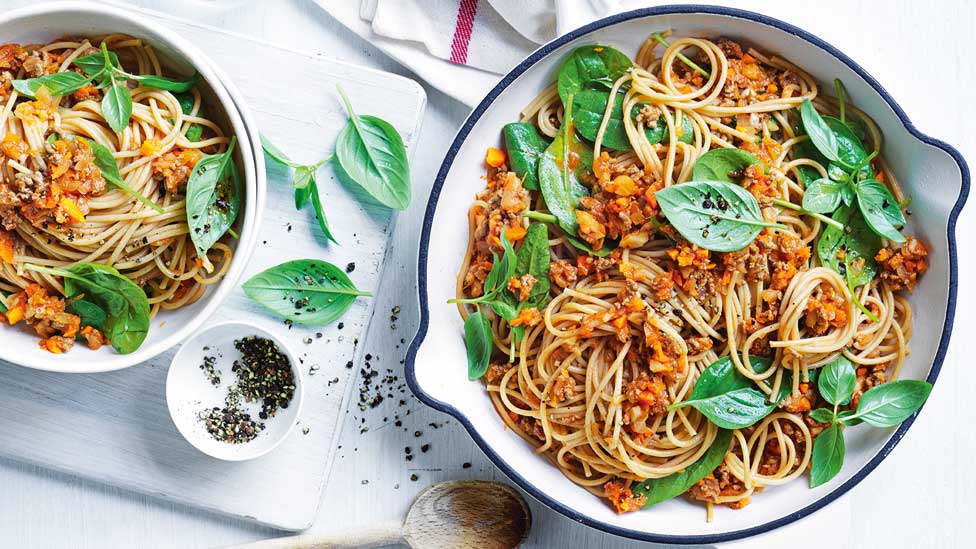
(229, 393)
(65, 344)
(931, 172)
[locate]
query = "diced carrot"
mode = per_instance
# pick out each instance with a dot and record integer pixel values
(15, 314)
(149, 147)
(516, 233)
(72, 210)
(495, 157)
(6, 246)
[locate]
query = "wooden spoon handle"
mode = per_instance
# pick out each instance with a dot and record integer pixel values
(369, 536)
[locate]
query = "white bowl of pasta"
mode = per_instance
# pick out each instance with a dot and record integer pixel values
(130, 188)
(685, 311)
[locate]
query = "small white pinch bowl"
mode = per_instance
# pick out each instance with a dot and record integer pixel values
(189, 391)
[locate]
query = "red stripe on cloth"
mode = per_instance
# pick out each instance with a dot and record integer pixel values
(462, 31)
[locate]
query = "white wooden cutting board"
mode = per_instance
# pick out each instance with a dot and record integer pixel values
(115, 427)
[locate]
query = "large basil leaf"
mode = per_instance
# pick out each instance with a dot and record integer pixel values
(117, 105)
(729, 399)
(213, 199)
(725, 164)
(109, 168)
(828, 455)
(561, 170)
(371, 151)
(880, 209)
(94, 63)
(849, 148)
(823, 195)
(307, 291)
(891, 403)
(662, 489)
(588, 108)
(716, 215)
(821, 135)
(125, 305)
(588, 67)
(478, 342)
(837, 381)
(163, 83)
(525, 148)
(59, 83)
(849, 252)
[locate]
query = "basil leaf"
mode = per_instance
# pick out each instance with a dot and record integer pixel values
(589, 105)
(822, 415)
(533, 258)
(162, 83)
(837, 381)
(109, 168)
(307, 291)
(849, 148)
(90, 313)
(3, 306)
(304, 175)
(821, 135)
(94, 63)
(726, 164)
(716, 215)
(891, 403)
(662, 489)
(117, 106)
(59, 83)
(319, 210)
(525, 147)
(857, 245)
(276, 154)
(828, 455)
(591, 66)
(729, 399)
(213, 199)
(478, 341)
(195, 131)
(880, 209)
(847, 417)
(371, 152)
(125, 304)
(823, 196)
(561, 170)
(580, 244)
(837, 173)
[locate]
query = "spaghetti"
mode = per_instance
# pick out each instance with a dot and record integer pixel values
(594, 376)
(55, 205)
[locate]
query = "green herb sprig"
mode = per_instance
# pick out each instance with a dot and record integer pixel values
(304, 183)
(103, 68)
(885, 405)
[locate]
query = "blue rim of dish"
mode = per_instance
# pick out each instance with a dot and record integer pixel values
(462, 135)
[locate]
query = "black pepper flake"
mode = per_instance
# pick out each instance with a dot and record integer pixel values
(350, 267)
(414, 477)
(466, 465)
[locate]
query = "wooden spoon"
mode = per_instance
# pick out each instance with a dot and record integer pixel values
(466, 514)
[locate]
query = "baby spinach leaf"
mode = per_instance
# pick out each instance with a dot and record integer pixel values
(729, 399)
(371, 151)
(195, 131)
(525, 147)
(891, 403)
(880, 209)
(725, 164)
(716, 215)
(478, 342)
(837, 381)
(213, 199)
(580, 244)
(109, 168)
(533, 258)
(662, 489)
(822, 415)
(125, 304)
(313, 189)
(589, 105)
(307, 291)
(828, 455)
(59, 83)
(561, 170)
(850, 252)
(821, 135)
(589, 67)
(90, 313)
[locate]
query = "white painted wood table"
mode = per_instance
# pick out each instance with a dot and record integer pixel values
(918, 497)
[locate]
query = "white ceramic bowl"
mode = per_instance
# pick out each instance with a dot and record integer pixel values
(44, 22)
(436, 362)
(188, 391)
